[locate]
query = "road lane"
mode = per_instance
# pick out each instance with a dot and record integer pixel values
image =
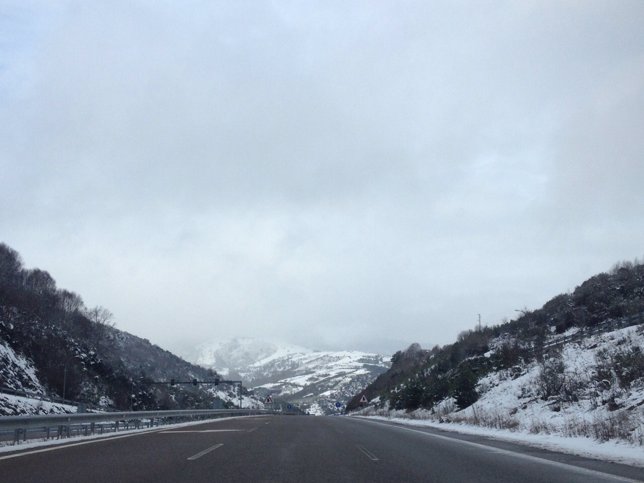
(514, 448)
(151, 456)
(302, 449)
(442, 457)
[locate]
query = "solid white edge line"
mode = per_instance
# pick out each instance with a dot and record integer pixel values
(170, 431)
(494, 449)
(80, 443)
(205, 451)
(367, 453)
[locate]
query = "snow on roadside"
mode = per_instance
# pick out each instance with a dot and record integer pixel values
(616, 452)
(511, 400)
(599, 418)
(11, 405)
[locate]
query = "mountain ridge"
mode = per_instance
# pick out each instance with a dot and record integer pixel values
(314, 380)
(52, 346)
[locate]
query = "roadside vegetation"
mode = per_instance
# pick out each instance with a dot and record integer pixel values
(573, 367)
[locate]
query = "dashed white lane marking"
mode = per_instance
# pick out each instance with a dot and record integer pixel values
(252, 429)
(56, 445)
(202, 431)
(205, 451)
(367, 453)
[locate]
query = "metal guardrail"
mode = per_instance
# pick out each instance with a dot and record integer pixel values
(66, 425)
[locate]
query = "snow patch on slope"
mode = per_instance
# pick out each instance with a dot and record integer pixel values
(234, 355)
(17, 372)
(510, 402)
(11, 405)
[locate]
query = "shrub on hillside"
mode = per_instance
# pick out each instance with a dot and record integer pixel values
(464, 389)
(551, 377)
(629, 365)
(624, 366)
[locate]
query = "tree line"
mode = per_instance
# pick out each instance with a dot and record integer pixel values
(78, 353)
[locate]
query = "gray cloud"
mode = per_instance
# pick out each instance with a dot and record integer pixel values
(332, 174)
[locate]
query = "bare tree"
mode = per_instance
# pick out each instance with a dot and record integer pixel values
(70, 302)
(40, 282)
(10, 265)
(103, 321)
(101, 316)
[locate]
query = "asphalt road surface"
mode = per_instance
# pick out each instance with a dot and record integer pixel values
(301, 449)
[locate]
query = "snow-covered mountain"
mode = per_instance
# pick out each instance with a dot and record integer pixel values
(313, 380)
(231, 356)
(118, 375)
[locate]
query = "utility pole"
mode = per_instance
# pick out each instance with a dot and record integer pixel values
(65, 380)
(479, 322)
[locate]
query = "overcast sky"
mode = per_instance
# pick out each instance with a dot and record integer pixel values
(334, 174)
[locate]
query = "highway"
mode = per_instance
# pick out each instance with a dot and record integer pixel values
(301, 449)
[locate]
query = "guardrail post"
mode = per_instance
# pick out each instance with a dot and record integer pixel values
(60, 426)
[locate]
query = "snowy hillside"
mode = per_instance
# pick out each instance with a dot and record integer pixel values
(230, 356)
(317, 380)
(313, 380)
(574, 367)
(23, 392)
(17, 372)
(598, 395)
(56, 354)
(590, 387)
